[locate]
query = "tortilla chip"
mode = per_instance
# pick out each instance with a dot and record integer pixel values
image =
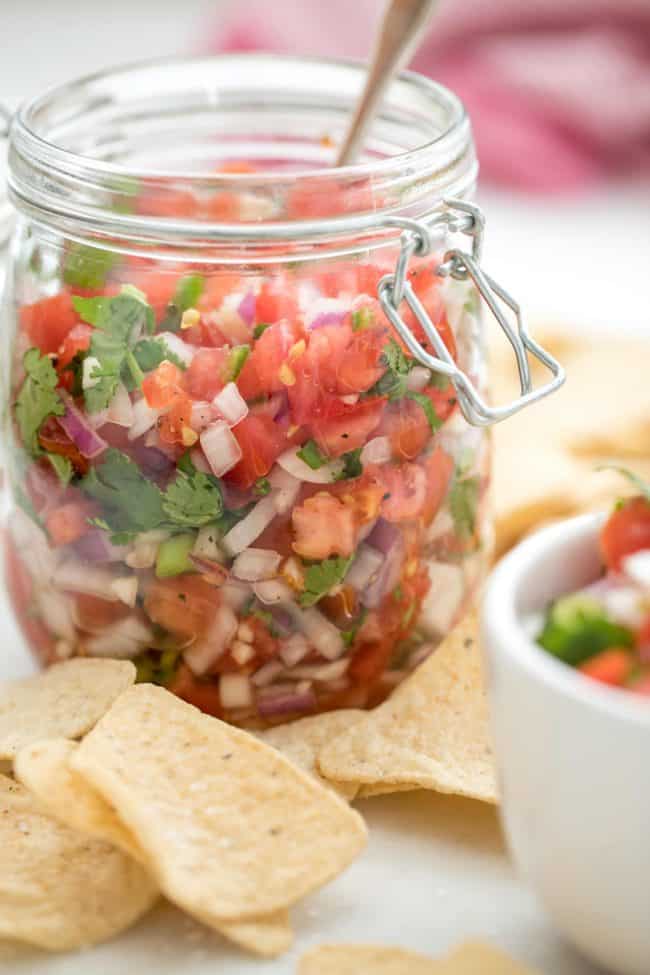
(431, 734)
(383, 789)
(301, 741)
(473, 958)
(62, 702)
(59, 889)
(44, 769)
(231, 829)
(366, 959)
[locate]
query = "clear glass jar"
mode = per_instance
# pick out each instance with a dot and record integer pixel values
(224, 462)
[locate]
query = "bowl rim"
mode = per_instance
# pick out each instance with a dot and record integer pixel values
(508, 637)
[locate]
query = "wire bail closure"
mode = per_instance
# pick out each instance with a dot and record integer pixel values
(462, 217)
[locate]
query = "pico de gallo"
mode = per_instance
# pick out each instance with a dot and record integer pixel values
(603, 630)
(242, 482)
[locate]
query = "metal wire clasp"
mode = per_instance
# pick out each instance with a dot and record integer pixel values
(462, 217)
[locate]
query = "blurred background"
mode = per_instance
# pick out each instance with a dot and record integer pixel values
(559, 93)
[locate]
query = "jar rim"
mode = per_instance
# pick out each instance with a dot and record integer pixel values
(38, 166)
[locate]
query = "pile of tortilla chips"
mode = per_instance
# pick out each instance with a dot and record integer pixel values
(471, 958)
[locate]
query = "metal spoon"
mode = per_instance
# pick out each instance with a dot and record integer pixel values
(400, 31)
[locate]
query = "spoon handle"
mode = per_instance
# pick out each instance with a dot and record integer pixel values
(402, 25)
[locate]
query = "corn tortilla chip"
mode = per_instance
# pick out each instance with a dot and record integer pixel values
(301, 741)
(472, 958)
(432, 733)
(59, 889)
(231, 829)
(44, 769)
(62, 702)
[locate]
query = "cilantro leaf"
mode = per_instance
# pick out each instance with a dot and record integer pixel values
(37, 398)
(323, 576)
(150, 352)
(260, 329)
(433, 419)
(193, 500)
(62, 466)
(88, 267)
(463, 502)
(311, 454)
(262, 486)
(188, 291)
(352, 466)
(393, 383)
(131, 502)
(642, 486)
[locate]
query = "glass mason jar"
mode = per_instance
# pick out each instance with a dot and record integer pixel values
(238, 381)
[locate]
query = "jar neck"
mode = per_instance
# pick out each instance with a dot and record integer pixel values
(104, 158)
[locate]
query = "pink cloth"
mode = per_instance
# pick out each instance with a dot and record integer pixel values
(558, 90)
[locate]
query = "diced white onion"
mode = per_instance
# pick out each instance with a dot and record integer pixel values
(203, 654)
(366, 565)
(377, 451)
(255, 564)
(443, 524)
(202, 415)
(286, 489)
(294, 650)
(144, 418)
(418, 378)
(123, 640)
(230, 404)
(241, 652)
(206, 545)
(625, 605)
(182, 350)
(76, 576)
(90, 364)
(322, 672)
(221, 449)
(325, 637)
(56, 613)
(272, 592)
(442, 602)
(290, 462)
(126, 589)
(120, 408)
(231, 325)
(31, 541)
(267, 673)
(145, 549)
(249, 528)
(235, 691)
(235, 594)
(637, 567)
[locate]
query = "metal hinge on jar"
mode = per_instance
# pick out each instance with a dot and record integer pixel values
(462, 217)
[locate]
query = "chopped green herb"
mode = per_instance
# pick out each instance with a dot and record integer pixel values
(260, 329)
(131, 502)
(149, 353)
(408, 615)
(262, 486)
(118, 322)
(362, 318)
(238, 357)
(188, 291)
(463, 503)
(349, 636)
(577, 628)
(75, 366)
(192, 500)
(62, 466)
(88, 267)
(37, 399)
(352, 466)
(323, 576)
(310, 453)
(433, 419)
(393, 383)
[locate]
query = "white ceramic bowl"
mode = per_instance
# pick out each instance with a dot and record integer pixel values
(573, 758)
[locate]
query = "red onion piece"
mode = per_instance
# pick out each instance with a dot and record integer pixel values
(198, 459)
(367, 563)
(291, 702)
(247, 306)
(387, 539)
(96, 546)
(154, 462)
(77, 427)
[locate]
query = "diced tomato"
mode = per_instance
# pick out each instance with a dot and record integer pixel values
(68, 522)
(361, 367)
(236, 166)
(370, 660)
(168, 203)
(261, 441)
(163, 385)
(343, 428)
(261, 374)
(276, 300)
(203, 694)
(406, 491)
(324, 526)
(95, 614)
(206, 374)
(439, 470)
(216, 287)
(319, 197)
(77, 340)
(627, 530)
(609, 666)
(436, 310)
(406, 425)
(224, 206)
(48, 321)
(185, 605)
(174, 426)
(158, 286)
